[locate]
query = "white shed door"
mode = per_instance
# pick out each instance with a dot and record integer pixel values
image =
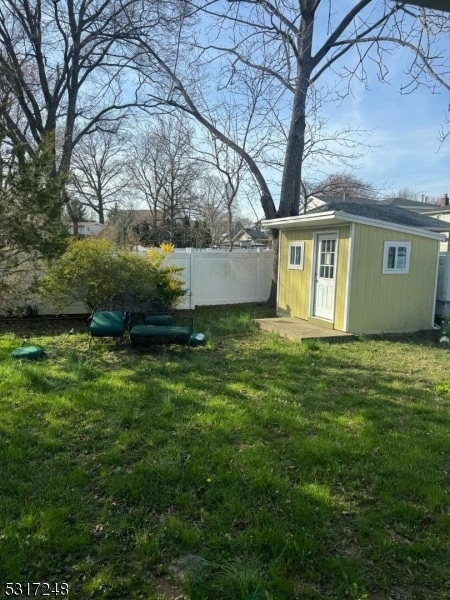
(325, 276)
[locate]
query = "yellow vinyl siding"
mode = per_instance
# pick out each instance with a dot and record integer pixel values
(391, 302)
(340, 305)
(294, 284)
(294, 294)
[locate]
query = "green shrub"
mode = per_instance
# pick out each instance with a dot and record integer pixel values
(168, 285)
(95, 272)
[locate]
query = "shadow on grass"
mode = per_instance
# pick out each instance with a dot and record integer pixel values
(292, 472)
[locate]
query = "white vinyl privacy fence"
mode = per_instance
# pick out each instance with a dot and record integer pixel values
(211, 277)
(221, 277)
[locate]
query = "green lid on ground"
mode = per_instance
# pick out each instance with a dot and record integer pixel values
(28, 352)
(197, 339)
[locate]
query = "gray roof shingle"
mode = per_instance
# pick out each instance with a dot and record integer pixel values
(383, 212)
(407, 203)
(349, 200)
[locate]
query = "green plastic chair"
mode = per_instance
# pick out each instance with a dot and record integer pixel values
(107, 323)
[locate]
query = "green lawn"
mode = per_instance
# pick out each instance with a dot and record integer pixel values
(251, 468)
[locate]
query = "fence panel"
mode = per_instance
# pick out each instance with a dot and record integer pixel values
(210, 276)
(220, 277)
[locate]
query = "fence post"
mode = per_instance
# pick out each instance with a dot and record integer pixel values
(191, 278)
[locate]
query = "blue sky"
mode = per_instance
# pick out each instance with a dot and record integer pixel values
(404, 130)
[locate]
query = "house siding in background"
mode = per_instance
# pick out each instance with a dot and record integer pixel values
(87, 228)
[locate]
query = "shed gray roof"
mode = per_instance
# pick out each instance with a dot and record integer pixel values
(340, 199)
(383, 212)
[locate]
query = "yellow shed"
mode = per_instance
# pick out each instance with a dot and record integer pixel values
(359, 268)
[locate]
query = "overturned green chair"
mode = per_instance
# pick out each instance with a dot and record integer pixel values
(107, 323)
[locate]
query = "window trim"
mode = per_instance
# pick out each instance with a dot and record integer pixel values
(300, 266)
(396, 270)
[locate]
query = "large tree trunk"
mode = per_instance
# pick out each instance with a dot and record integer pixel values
(101, 210)
(230, 228)
(272, 301)
(72, 214)
(292, 171)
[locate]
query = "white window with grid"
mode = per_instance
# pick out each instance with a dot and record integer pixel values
(296, 255)
(396, 257)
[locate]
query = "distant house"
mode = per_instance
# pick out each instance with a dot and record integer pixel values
(438, 211)
(247, 237)
(359, 267)
(87, 228)
(427, 208)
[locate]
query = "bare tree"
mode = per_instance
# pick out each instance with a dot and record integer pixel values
(120, 227)
(408, 194)
(66, 69)
(164, 173)
(98, 172)
(273, 40)
(231, 168)
(212, 206)
(444, 133)
(345, 186)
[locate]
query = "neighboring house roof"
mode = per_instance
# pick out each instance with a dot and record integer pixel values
(399, 201)
(251, 235)
(375, 214)
(255, 235)
(236, 229)
(421, 207)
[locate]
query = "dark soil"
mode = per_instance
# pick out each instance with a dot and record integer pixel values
(44, 324)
